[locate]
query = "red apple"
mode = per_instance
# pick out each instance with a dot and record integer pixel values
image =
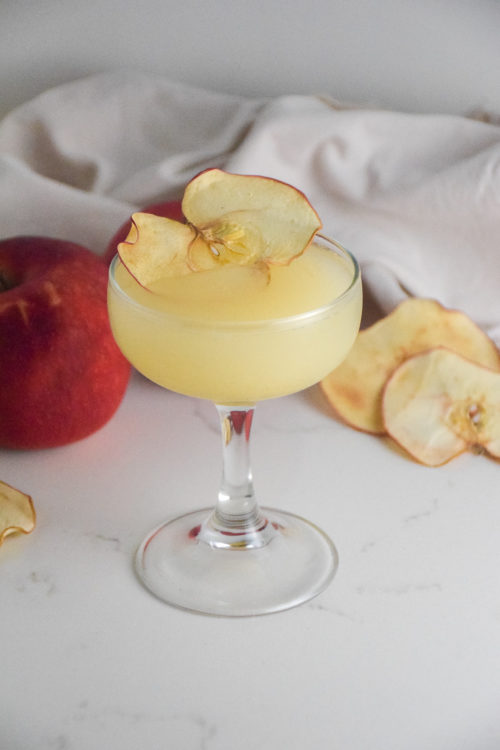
(170, 209)
(62, 376)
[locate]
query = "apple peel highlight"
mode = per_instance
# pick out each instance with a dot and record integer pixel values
(17, 513)
(230, 219)
(438, 404)
(355, 388)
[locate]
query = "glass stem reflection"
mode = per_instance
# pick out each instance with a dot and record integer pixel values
(237, 521)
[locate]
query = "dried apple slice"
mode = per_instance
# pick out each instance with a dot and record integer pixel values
(355, 388)
(438, 404)
(17, 514)
(237, 219)
(156, 247)
(249, 218)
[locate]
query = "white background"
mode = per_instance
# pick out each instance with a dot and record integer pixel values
(418, 56)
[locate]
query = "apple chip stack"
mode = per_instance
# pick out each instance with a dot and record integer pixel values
(426, 376)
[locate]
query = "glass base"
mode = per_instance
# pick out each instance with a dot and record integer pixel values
(295, 565)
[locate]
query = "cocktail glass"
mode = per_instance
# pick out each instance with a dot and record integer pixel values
(237, 558)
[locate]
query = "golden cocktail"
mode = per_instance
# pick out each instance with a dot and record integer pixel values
(236, 334)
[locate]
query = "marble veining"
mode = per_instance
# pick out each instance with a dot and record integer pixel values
(400, 589)
(38, 582)
(425, 513)
(111, 542)
(170, 725)
(320, 606)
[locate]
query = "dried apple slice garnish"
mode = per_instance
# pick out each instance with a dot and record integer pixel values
(249, 218)
(140, 252)
(355, 388)
(235, 219)
(17, 514)
(438, 404)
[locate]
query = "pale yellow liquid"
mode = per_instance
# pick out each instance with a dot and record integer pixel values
(236, 335)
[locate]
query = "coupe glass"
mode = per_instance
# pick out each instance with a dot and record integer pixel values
(237, 558)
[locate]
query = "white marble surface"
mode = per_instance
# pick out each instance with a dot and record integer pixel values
(401, 652)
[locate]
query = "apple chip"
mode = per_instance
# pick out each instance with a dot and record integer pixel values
(236, 219)
(156, 247)
(355, 388)
(438, 404)
(248, 218)
(17, 514)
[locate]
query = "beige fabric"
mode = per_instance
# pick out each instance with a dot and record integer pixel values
(415, 197)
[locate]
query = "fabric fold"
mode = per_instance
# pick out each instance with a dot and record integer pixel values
(415, 197)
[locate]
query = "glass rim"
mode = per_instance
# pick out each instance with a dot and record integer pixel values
(286, 320)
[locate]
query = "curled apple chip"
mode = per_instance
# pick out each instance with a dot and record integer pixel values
(355, 388)
(438, 404)
(155, 247)
(17, 514)
(247, 218)
(236, 219)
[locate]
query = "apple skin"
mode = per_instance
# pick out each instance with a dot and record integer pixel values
(62, 375)
(170, 209)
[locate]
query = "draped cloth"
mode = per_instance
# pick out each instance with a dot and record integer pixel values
(415, 197)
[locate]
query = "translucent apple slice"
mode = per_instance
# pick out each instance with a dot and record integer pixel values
(17, 514)
(248, 218)
(355, 388)
(438, 404)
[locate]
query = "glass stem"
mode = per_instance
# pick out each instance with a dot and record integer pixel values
(237, 521)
